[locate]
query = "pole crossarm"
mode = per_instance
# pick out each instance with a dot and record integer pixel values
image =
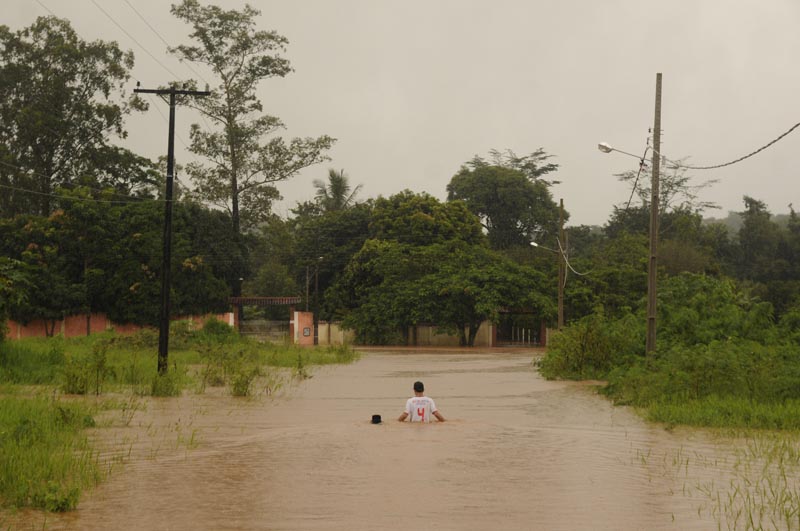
(177, 92)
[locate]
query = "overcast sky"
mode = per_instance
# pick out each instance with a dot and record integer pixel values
(413, 89)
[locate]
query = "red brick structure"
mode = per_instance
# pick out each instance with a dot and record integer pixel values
(84, 325)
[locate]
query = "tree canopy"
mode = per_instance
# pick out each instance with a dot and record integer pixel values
(61, 106)
(243, 165)
(513, 203)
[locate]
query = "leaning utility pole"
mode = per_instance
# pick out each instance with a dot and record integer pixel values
(651, 269)
(163, 320)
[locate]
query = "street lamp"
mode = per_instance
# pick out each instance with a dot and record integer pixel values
(651, 267)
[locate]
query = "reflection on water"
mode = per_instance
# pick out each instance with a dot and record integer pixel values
(517, 452)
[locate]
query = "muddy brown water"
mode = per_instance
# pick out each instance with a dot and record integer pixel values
(517, 452)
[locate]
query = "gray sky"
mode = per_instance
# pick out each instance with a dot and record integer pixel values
(413, 89)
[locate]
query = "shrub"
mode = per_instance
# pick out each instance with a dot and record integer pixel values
(168, 384)
(20, 363)
(216, 330)
(180, 334)
(592, 346)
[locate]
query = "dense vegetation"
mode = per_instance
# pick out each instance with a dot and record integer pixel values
(721, 358)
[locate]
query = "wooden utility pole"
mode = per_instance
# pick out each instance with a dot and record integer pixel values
(651, 269)
(166, 259)
(562, 269)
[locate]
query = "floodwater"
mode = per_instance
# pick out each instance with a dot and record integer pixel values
(517, 452)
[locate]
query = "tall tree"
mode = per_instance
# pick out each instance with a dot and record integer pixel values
(336, 194)
(428, 261)
(244, 166)
(421, 219)
(60, 108)
(759, 239)
(513, 208)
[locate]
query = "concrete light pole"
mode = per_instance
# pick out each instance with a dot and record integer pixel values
(651, 268)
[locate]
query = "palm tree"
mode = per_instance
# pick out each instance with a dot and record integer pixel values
(335, 194)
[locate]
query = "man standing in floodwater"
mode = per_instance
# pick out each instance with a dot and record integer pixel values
(420, 407)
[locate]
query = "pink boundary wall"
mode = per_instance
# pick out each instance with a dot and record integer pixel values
(82, 325)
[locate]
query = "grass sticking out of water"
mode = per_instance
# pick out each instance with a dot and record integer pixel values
(728, 412)
(752, 482)
(45, 459)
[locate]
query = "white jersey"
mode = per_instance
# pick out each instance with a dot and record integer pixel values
(420, 408)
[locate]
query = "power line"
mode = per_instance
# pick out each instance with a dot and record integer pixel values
(566, 261)
(762, 148)
(166, 120)
(84, 199)
(56, 196)
(189, 66)
(131, 37)
(45, 7)
(677, 164)
(636, 181)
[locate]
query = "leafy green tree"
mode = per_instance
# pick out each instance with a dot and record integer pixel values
(470, 284)
(618, 278)
(325, 244)
(243, 168)
(60, 110)
(699, 309)
(271, 256)
(336, 194)
(421, 219)
(676, 191)
(427, 261)
(56, 292)
(377, 294)
(514, 206)
(15, 287)
(92, 257)
(390, 286)
(534, 165)
(759, 239)
(203, 258)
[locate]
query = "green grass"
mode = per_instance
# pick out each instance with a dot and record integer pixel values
(727, 412)
(105, 362)
(45, 459)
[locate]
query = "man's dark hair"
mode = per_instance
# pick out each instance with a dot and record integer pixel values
(419, 387)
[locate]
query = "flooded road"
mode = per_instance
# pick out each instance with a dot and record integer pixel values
(517, 452)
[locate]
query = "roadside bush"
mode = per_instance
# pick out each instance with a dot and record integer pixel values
(697, 309)
(216, 331)
(168, 384)
(737, 368)
(83, 373)
(592, 346)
